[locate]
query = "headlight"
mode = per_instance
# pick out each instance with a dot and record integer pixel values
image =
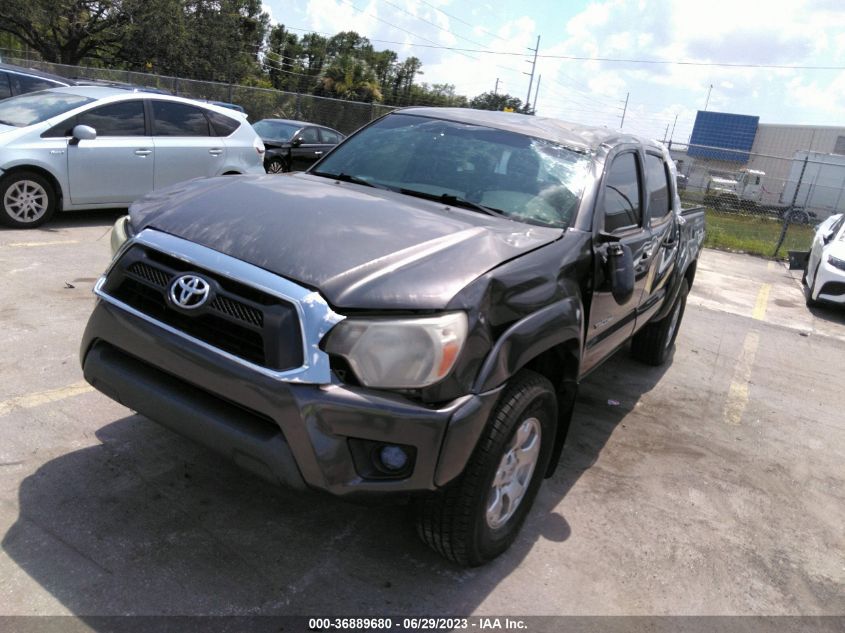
(400, 353)
(120, 232)
(836, 262)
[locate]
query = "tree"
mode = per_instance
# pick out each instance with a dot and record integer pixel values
(156, 40)
(313, 59)
(349, 78)
(67, 31)
(224, 37)
(440, 95)
(493, 101)
(402, 80)
(282, 60)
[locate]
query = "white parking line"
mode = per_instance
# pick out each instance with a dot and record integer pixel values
(31, 400)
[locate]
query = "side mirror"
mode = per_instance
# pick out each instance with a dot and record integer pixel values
(83, 133)
(296, 142)
(620, 263)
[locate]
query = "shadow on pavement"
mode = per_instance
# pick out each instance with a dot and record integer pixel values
(74, 219)
(829, 312)
(148, 523)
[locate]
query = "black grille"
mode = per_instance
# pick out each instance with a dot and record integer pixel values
(836, 288)
(251, 324)
(238, 310)
(155, 276)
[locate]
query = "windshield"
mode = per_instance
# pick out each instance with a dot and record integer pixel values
(276, 130)
(37, 107)
(520, 177)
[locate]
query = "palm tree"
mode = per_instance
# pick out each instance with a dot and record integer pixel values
(349, 78)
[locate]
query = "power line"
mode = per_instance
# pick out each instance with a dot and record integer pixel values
(620, 60)
(469, 24)
(434, 24)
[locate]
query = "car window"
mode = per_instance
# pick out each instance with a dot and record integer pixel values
(25, 83)
(275, 130)
(527, 179)
(116, 119)
(622, 194)
(5, 86)
(309, 135)
(222, 124)
(657, 184)
(37, 107)
(329, 137)
(178, 119)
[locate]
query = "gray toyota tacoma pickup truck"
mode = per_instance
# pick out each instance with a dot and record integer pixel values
(410, 317)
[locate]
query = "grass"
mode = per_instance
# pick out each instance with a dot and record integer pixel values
(754, 235)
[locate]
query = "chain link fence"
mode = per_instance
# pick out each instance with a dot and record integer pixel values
(259, 103)
(760, 202)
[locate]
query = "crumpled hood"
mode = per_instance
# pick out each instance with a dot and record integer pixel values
(360, 247)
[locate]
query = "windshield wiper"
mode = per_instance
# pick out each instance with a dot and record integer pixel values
(455, 201)
(349, 178)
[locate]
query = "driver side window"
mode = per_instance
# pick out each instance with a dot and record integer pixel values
(309, 135)
(622, 206)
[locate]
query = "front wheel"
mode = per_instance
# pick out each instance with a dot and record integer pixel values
(276, 166)
(808, 288)
(27, 200)
(653, 344)
(478, 516)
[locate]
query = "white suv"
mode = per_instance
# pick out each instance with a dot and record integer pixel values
(89, 147)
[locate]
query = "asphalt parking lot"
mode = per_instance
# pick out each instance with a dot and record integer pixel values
(714, 485)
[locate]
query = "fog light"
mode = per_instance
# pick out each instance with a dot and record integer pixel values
(393, 457)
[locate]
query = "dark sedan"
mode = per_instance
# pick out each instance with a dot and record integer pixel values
(294, 145)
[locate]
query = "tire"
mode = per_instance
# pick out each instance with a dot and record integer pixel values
(276, 166)
(27, 200)
(653, 344)
(463, 522)
(808, 289)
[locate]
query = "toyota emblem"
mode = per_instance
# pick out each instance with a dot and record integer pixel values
(189, 292)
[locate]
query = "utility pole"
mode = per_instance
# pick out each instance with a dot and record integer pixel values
(533, 67)
(537, 91)
(624, 110)
(496, 89)
(707, 103)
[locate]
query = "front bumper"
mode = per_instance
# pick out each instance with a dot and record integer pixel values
(829, 283)
(295, 434)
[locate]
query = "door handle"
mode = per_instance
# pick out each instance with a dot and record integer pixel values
(143, 152)
(646, 252)
(320, 153)
(216, 151)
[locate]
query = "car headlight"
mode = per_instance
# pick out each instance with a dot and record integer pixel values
(400, 353)
(120, 232)
(836, 262)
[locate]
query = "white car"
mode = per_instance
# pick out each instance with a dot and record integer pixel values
(90, 147)
(824, 279)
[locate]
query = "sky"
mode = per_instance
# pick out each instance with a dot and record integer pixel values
(781, 61)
